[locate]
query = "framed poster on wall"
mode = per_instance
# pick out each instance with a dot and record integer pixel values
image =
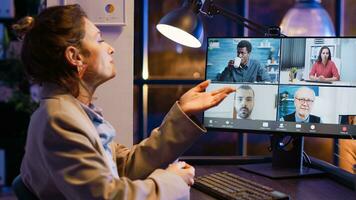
(103, 12)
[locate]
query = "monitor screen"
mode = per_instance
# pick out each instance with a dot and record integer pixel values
(294, 85)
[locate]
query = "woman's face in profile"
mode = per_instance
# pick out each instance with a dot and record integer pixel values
(99, 60)
(325, 54)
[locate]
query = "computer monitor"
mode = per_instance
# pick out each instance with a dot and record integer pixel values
(284, 86)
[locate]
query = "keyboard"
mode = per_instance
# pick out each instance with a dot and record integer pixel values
(225, 185)
(316, 81)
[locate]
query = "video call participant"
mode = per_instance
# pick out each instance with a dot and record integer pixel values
(304, 99)
(244, 102)
(249, 70)
(324, 69)
(70, 151)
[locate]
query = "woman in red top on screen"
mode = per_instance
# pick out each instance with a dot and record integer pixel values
(324, 69)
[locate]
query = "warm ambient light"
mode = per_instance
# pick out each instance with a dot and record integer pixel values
(145, 74)
(178, 35)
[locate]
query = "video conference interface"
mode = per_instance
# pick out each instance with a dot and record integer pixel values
(301, 85)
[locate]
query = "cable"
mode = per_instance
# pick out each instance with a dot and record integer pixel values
(306, 158)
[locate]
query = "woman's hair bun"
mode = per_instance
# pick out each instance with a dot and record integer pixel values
(23, 26)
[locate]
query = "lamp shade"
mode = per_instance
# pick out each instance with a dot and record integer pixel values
(307, 18)
(183, 26)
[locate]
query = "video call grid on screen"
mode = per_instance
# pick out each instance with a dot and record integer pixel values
(276, 90)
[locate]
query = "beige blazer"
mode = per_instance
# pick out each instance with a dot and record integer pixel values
(64, 157)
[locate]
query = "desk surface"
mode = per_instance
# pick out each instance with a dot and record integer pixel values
(284, 79)
(333, 83)
(297, 188)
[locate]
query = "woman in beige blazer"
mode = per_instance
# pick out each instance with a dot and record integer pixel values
(69, 150)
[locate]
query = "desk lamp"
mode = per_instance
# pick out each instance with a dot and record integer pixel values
(184, 26)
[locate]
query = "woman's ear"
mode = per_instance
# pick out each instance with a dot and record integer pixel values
(73, 56)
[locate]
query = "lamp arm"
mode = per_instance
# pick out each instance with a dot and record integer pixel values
(214, 9)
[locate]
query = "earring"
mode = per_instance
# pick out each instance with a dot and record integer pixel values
(81, 69)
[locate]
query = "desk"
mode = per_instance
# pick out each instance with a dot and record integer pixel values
(297, 188)
(333, 83)
(284, 79)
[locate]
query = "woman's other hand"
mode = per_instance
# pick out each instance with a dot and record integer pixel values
(185, 171)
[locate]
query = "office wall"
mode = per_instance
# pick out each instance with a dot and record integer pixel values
(116, 96)
(348, 60)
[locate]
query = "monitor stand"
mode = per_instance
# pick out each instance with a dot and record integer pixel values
(287, 160)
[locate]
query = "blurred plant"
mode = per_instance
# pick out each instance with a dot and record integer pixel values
(292, 73)
(270, 53)
(294, 70)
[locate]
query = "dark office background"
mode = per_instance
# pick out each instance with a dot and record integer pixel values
(173, 69)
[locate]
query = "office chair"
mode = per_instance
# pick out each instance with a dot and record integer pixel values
(21, 191)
